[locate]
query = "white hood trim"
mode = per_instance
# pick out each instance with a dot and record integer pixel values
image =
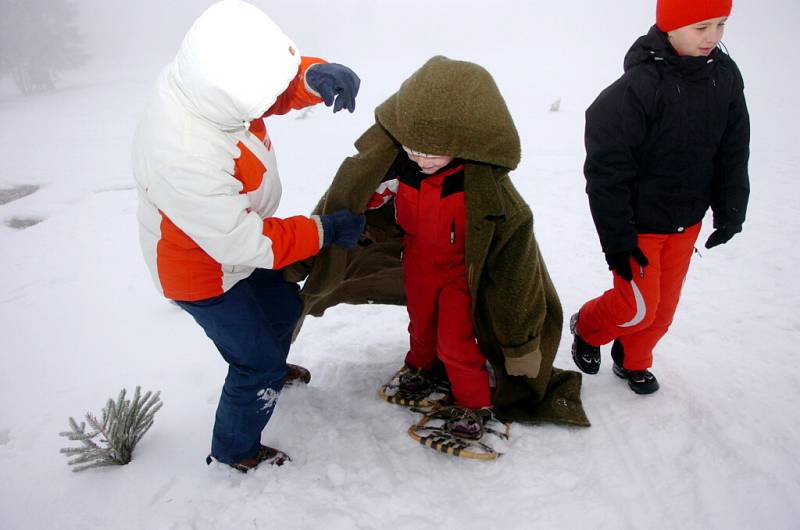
(233, 64)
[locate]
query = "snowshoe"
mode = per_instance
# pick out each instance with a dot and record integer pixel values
(459, 431)
(586, 356)
(412, 387)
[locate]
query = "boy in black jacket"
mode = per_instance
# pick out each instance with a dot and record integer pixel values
(663, 143)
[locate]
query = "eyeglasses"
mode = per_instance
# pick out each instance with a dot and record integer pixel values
(411, 152)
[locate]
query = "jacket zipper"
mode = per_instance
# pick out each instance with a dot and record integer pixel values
(453, 232)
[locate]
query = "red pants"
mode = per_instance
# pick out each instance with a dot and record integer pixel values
(638, 313)
(439, 307)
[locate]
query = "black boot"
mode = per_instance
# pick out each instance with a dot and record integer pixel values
(640, 381)
(586, 356)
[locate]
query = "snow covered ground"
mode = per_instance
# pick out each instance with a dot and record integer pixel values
(79, 318)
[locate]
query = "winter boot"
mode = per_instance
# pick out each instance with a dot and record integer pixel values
(468, 423)
(266, 454)
(271, 456)
(416, 381)
(640, 381)
(296, 374)
(586, 356)
(412, 387)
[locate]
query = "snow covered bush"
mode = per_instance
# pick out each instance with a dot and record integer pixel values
(123, 424)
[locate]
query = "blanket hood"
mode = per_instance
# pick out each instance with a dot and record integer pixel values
(452, 108)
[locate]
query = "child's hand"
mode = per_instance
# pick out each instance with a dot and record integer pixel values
(336, 84)
(720, 236)
(342, 228)
(620, 262)
(526, 366)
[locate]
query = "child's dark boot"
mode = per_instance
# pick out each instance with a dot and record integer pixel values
(468, 423)
(416, 381)
(266, 454)
(640, 381)
(296, 374)
(271, 456)
(586, 356)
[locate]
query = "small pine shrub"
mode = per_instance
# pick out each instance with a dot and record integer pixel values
(123, 424)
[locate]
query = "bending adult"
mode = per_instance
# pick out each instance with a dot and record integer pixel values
(208, 188)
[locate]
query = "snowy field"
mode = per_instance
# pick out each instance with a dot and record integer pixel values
(79, 318)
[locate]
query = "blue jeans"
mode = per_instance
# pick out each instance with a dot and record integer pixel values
(251, 326)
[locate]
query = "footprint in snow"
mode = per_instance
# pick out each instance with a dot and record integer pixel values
(17, 192)
(21, 223)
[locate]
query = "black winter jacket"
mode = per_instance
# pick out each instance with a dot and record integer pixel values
(664, 142)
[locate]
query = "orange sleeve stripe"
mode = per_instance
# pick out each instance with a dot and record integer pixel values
(293, 239)
(296, 96)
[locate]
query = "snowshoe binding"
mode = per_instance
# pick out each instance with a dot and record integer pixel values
(460, 431)
(412, 387)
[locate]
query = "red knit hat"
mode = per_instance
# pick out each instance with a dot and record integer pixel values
(674, 14)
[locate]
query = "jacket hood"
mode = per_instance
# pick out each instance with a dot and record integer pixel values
(656, 47)
(233, 64)
(452, 108)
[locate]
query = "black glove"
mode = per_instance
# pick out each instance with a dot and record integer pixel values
(342, 228)
(334, 82)
(721, 235)
(620, 262)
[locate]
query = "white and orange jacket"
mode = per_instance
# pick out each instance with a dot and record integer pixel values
(204, 165)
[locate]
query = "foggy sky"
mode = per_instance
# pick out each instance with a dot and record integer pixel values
(136, 38)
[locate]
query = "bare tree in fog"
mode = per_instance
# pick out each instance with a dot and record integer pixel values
(39, 39)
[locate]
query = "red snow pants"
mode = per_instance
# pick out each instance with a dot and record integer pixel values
(432, 212)
(440, 327)
(639, 313)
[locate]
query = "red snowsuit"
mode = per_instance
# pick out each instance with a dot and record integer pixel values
(432, 212)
